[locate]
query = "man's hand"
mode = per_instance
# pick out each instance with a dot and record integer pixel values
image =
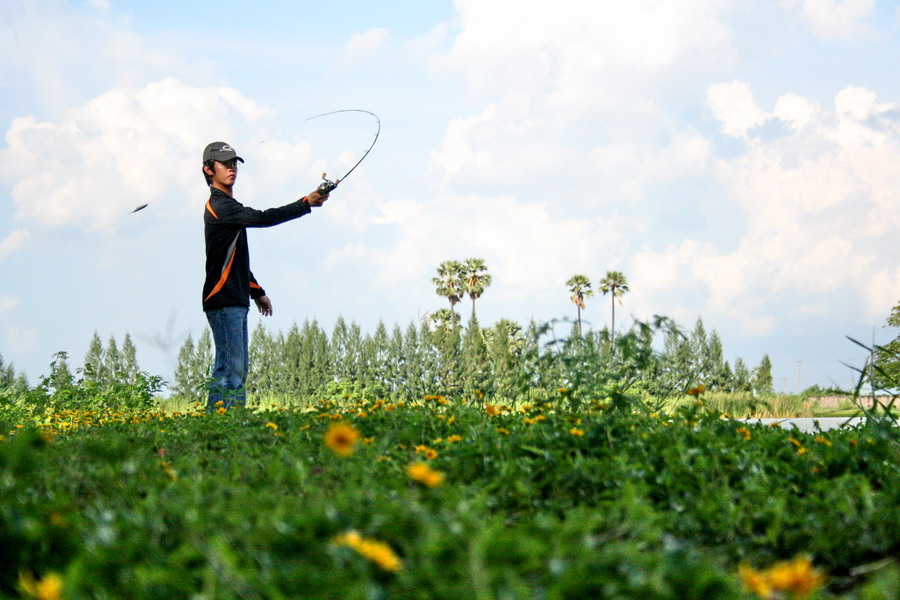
(264, 305)
(316, 199)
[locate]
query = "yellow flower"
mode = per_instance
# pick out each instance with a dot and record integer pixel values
(797, 577)
(341, 438)
(272, 426)
(756, 581)
(221, 410)
(822, 440)
(219, 404)
(378, 552)
(431, 453)
(424, 474)
(420, 449)
(576, 431)
(169, 470)
(696, 391)
(454, 438)
(795, 442)
(367, 441)
(48, 588)
(743, 432)
(491, 410)
(502, 430)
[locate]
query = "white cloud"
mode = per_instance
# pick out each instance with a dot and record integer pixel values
(733, 106)
(129, 147)
(8, 303)
(572, 46)
(835, 19)
(361, 45)
(58, 52)
(12, 242)
(578, 93)
(821, 210)
(795, 111)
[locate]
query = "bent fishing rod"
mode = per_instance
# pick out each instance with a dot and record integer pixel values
(327, 186)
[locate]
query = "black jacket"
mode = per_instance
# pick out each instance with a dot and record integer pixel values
(229, 281)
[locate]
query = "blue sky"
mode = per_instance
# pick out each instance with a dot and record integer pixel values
(740, 162)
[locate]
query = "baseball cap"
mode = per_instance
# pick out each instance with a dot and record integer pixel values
(221, 152)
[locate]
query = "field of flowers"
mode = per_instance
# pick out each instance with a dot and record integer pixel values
(441, 499)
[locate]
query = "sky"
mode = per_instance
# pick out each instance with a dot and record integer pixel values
(738, 161)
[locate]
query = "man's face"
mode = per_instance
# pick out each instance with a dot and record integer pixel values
(225, 172)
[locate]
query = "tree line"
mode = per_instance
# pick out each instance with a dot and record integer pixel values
(425, 358)
(437, 355)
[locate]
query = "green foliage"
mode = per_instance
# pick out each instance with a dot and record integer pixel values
(887, 357)
(761, 380)
(60, 390)
(576, 489)
(817, 390)
(553, 501)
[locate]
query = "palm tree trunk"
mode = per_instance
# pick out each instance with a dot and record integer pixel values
(613, 329)
(579, 319)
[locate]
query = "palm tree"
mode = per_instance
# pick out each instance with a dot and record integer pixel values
(443, 319)
(616, 284)
(476, 278)
(580, 286)
(450, 282)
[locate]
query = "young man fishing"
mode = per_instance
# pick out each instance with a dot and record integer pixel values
(230, 285)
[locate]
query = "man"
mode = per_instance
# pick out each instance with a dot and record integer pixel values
(230, 285)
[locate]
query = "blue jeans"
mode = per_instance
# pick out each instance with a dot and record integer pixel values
(229, 331)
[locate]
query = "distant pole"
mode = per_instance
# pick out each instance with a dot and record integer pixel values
(799, 362)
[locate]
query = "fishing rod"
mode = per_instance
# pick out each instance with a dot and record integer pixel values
(327, 186)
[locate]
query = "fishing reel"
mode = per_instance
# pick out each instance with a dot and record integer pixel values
(327, 185)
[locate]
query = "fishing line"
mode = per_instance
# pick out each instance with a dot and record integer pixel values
(325, 187)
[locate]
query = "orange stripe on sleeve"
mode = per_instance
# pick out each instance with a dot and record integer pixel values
(211, 211)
